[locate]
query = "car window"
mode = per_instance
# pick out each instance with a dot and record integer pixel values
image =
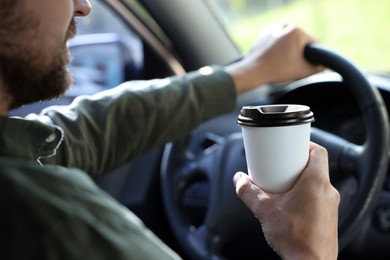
(103, 47)
(355, 28)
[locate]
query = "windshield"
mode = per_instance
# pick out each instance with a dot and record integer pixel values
(355, 28)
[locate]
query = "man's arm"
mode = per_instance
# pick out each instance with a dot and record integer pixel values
(108, 129)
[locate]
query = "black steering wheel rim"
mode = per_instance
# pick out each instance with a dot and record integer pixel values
(373, 158)
(367, 162)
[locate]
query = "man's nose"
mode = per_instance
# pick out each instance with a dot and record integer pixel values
(82, 7)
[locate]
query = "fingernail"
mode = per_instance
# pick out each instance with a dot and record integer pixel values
(236, 177)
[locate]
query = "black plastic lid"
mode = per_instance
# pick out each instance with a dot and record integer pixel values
(275, 115)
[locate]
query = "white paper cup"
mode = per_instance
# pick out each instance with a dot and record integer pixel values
(276, 141)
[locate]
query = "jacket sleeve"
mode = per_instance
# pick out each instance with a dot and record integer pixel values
(104, 131)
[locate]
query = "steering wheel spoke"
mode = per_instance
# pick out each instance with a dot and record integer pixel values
(344, 156)
(207, 244)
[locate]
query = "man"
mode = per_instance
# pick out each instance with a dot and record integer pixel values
(51, 211)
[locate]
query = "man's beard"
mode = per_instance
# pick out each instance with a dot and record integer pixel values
(30, 73)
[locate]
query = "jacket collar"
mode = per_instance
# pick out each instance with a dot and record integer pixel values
(28, 139)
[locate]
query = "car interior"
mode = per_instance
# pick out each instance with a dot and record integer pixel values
(183, 191)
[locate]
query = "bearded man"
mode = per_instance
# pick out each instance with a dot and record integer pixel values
(51, 208)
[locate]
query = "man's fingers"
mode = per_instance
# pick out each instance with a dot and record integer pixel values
(248, 192)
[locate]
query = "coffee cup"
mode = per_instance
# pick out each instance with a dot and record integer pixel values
(276, 142)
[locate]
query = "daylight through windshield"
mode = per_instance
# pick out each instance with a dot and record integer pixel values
(355, 28)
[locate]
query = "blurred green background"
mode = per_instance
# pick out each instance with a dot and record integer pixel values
(359, 29)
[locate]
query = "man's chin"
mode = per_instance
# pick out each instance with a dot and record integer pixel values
(50, 89)
(29, 82)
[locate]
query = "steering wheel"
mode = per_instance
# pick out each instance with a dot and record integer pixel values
(203, 180)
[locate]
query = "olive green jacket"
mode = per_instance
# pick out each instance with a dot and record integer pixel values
(50, 205)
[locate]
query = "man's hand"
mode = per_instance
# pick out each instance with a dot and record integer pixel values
(278, 56)
(301, 223)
